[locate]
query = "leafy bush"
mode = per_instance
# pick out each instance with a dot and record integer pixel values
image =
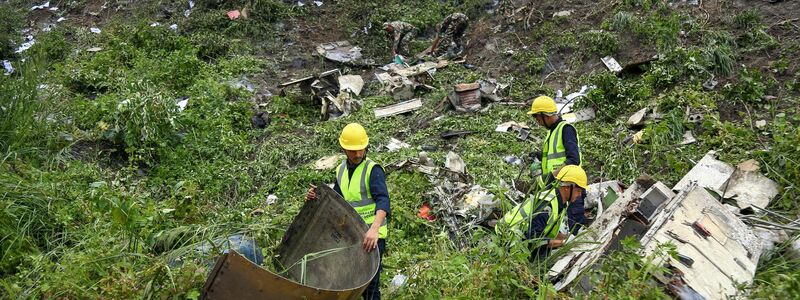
(600, 43)
(751, 87)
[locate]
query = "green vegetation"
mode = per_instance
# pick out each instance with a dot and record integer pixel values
(105, 181)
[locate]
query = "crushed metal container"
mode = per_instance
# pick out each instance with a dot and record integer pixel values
(328, 223)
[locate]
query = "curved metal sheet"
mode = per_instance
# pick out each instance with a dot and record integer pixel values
(323, 224)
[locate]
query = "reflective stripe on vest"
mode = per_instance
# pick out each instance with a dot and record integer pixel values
(554, 154)
(519, 217)
(359, 196)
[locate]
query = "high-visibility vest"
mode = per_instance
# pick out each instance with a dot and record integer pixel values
(520, 216)
(358, 193)
(553, 153)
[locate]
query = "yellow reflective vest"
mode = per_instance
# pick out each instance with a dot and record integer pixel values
(520, 216)
(355, 191)
(553, 152)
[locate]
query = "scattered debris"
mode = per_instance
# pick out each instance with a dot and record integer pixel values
(425, 212)
(260, 120)
(563, 13)
(61, 19)
(29, 41)
(602, 195)
(351, 83)
(710, 84)
(319, 86)
(9, 68)
(751, 188)
(585, 114)
(95, 30)
(173, 27)
(511, 126)
(611, 64)
(492, 90)
(43, 6)
(182, 103)
(343, 52)
(637, 119)
(422, 156)
(466, 97)
(328, 162)
(188, 11)
(454, 133)
(708, 173)
(454, 163)
(695, 118)
(94, 49)
(512, 160)
(399, 108)
(761, 124)
(233, 14)
(395, 144)
(318, 3)
(399, 280)
(243, 83)
(688, 138)
(155, 24)
(271, 199)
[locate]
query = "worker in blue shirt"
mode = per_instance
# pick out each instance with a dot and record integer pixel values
(362, 183)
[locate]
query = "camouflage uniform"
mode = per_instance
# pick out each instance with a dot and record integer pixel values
(401, 34)
(455, 25)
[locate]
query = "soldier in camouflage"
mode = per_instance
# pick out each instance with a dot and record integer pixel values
(454, 25)
(400, 34)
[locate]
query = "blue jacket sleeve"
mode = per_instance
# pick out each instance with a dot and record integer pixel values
(378, 189)
(537, 225)
(570, 139)
(575, 216)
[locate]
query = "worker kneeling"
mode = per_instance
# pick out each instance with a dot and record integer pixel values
(540, 217)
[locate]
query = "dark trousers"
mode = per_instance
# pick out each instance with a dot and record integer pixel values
(373, 291)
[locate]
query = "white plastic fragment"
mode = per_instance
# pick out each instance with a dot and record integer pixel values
(761, 123)
(94, 49)
(95, 30)
(61, 19)
(43, 6)
(318, 3)
(688, 138)
(53, 9)
(272, 199)
(173, 27)
(8, 67)
(154, 24)
(29, 41)
(182, 104)
(399, 280)
(455, 163)
(564, 13)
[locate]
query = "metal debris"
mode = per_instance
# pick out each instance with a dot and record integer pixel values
(511, 126)
(343, 52)
(29, 41)
(328, 162)
(585, 114)
(637, 118)
(688, 138)
(611, 64)
(454, 163)
(761, 124)
(95, 30)
(454, 133)
(351, 83)
(94, 49)
(395, 144)
(466, 97)
(399, 108)
(512, 160)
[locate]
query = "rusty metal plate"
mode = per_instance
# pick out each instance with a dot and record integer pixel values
(323, 224)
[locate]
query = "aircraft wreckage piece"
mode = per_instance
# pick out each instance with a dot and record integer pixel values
(327, 224)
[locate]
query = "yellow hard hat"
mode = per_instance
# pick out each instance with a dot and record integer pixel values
(354, 137)
(573, 174)
(543, 104)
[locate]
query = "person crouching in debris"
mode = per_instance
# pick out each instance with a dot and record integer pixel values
(362, 183)
(561, 147)
(400, 33)
(540, 217)
(454, 25)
